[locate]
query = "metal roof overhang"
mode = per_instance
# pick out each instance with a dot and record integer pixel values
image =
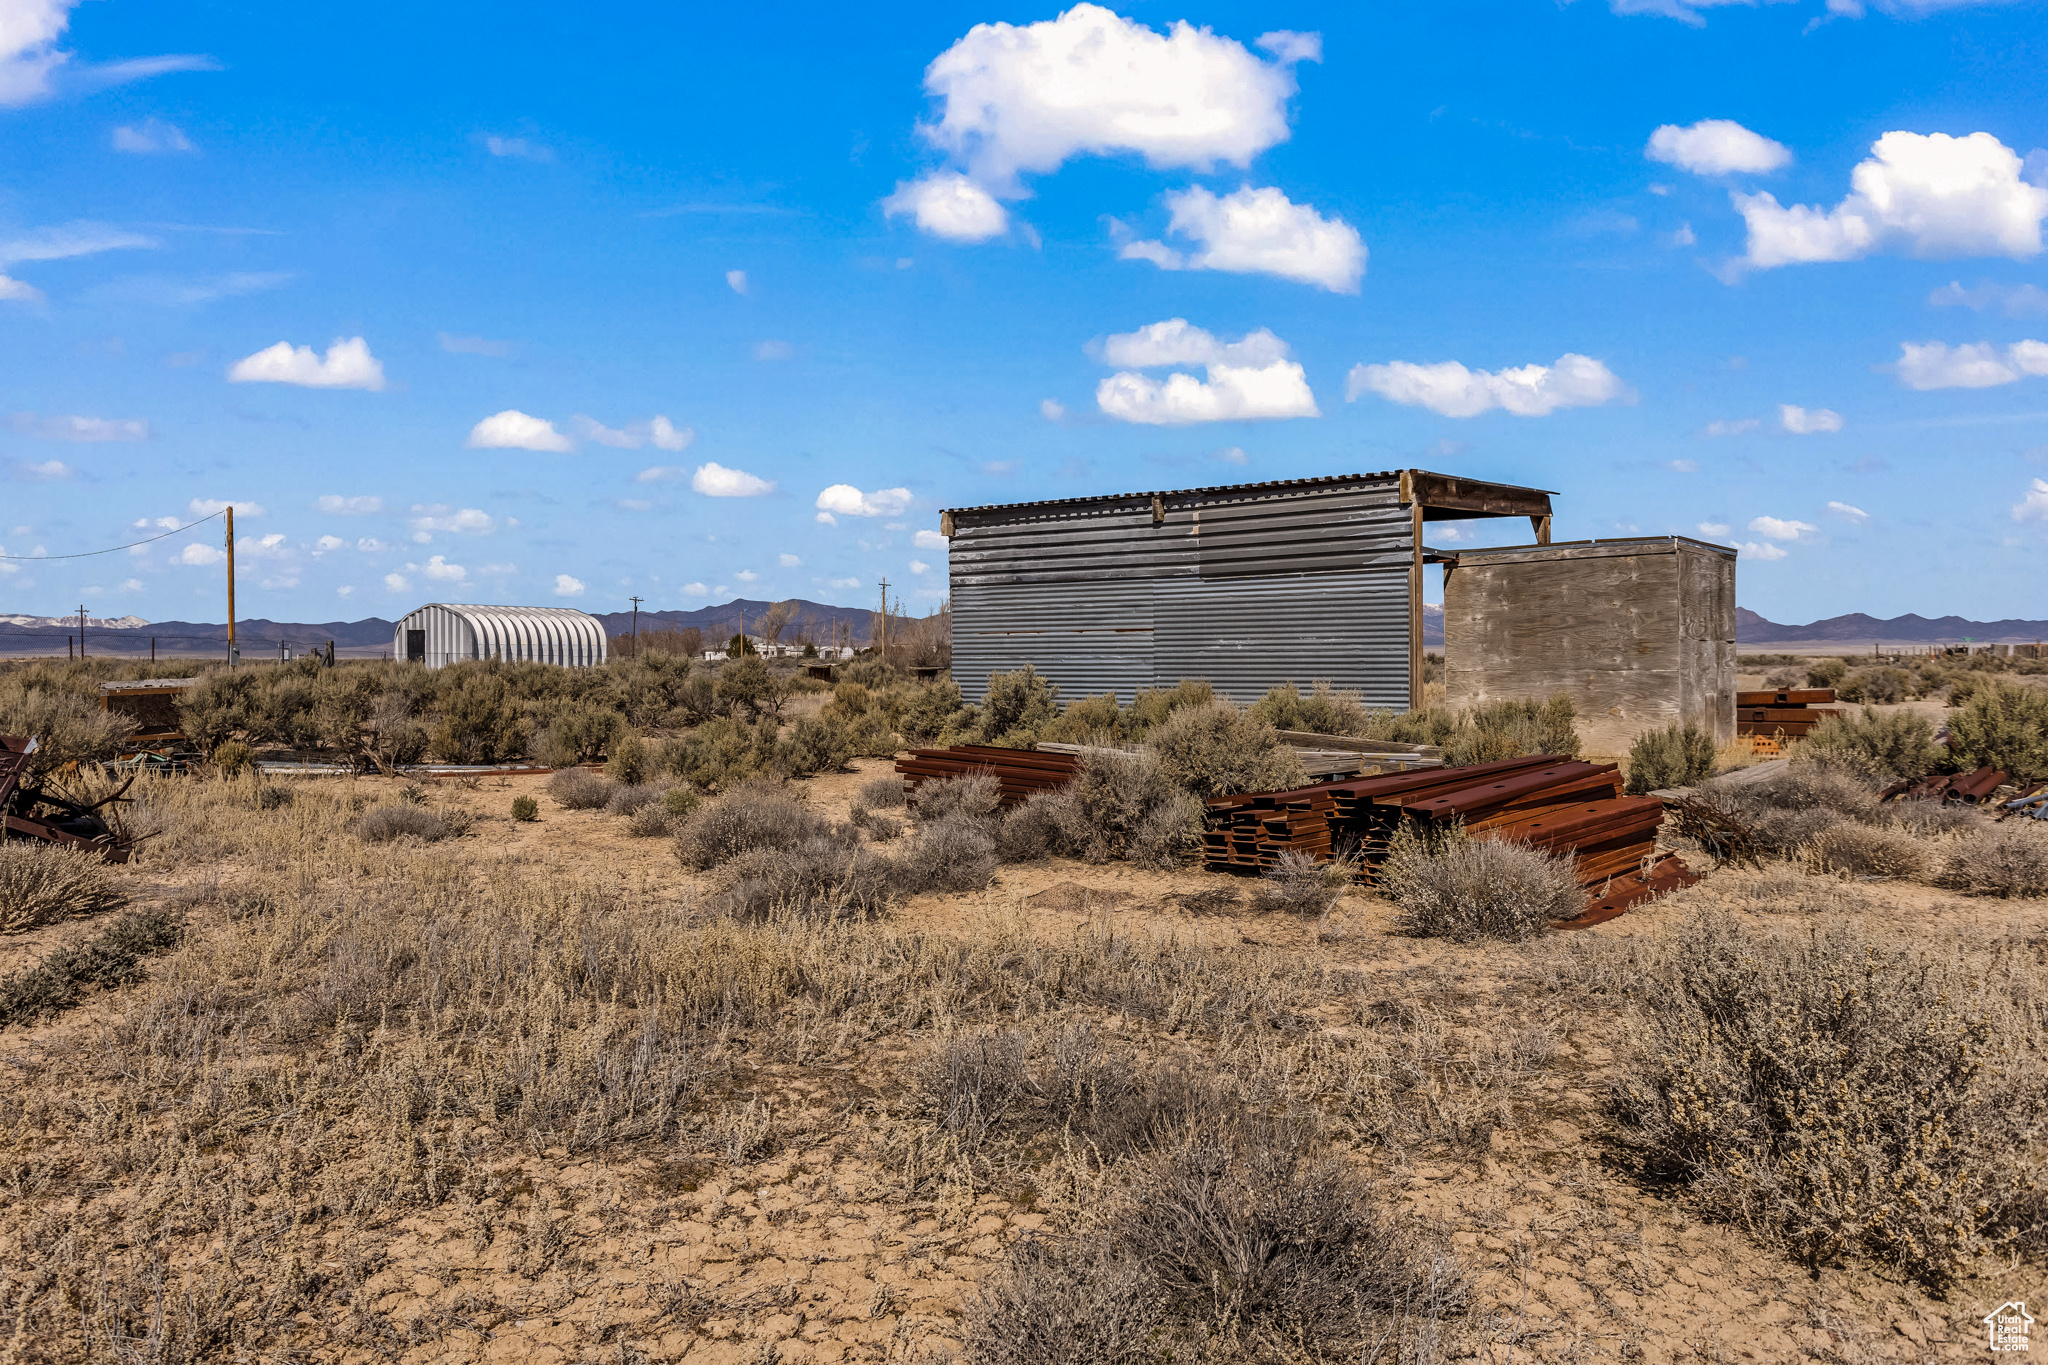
(1444, 497)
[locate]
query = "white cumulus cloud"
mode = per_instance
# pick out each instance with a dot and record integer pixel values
(1250, 378)
(1926, 194)
(2033, 504)
(206, 507)
(1807, 421)
(788, 561)
(919, 566)
(348, 364)
(1978, 365)
(429, 518)
(947, 204)
(440, 568)
(746, 576)
(846, 500)
(1717, 146)
(1777, 528)
(1449, 388)
(201, 554)
(1051, 409)
(1843, 509)
(566, 586)
(1258, 232)
(48, 471)
(657, 431)
(928, 540)
(716, 481)
(328, 544)
(515, 430)
(736, 280)
(1715, 530)
(1763, 550)
(335, 504)
(396, 582)
(1737, 426)
(1017, 98)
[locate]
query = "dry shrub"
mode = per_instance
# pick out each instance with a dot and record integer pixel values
(1899, 744)
(822, 878)
(42, 883)
(956, 853)
(1124, 805)
(1029, 832)
(757, 814)
(1843, 1098)
(1298, 884)
(1217, 750)
(2009, 859)
(579, 789)
(1678, 756)
(110, 958)
(962, 1085)
(882, 793)
(71, 727)
(1783, 888)
(975, 796)
(628, 798)
(1235, 1244)
(1463, 889)
(525, 808)
(1867, 851)
(1931, 819)
(651, 821)
(1791, 806)
(385, 823)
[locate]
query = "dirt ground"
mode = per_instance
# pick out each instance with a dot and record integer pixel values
(796, 1237)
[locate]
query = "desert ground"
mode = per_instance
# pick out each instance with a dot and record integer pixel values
(254, 1154)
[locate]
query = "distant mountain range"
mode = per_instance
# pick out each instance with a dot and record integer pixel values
(129, 636)
(1859, 629)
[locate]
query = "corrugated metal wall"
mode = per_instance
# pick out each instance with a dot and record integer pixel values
(551, 635)
(1246, 587)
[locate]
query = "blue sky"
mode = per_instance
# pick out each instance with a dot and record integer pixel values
(520, 304)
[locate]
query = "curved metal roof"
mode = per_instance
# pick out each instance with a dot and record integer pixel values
(457, 631)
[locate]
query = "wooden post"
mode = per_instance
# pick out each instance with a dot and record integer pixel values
(1414, 604)
(1542, 526)
(233, 659)
(885, 618)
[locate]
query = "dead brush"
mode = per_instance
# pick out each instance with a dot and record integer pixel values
(1843, 1098)
(975, 797)
(1867, 851)
(382, 824)
(2008, 859)
(1299, 885)
(580, 789)
(954, 853)
(755, 815)
(822, 878)
(43, 883)
(1448, 886)
(1780, 889)
(1234, 1244)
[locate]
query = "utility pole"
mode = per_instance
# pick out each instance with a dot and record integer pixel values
(234, 655)
(81, 630)
(636, 627)
(885, 618)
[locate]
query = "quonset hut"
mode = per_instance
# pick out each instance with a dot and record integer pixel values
(1248, 586)
(442, 633)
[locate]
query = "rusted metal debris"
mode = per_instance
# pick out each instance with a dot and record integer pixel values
(1969, 789)
(1792, 713)
(1547, 801)
(33, 812)
(1727, 838)
(1020, 772)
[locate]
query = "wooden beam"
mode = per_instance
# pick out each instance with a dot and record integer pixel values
(1415, 610)
(1472, 497)
(1542, 525)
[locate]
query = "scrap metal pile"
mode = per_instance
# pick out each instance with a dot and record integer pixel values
(1546, 801)
(1790, 714)
(1021, 772)
(1969, 789)
(30, 811)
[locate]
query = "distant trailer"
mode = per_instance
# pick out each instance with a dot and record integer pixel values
(1245, 586)
(441, 633)
(1639, 632)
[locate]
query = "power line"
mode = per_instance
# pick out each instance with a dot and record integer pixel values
(88, 554)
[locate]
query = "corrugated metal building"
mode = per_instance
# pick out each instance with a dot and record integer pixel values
(1248, 586)
(1639, 632)
(442, 633)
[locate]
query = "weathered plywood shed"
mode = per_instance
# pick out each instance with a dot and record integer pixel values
(1640, 633)
(151, 703)
(442, 633)
(1247, 586)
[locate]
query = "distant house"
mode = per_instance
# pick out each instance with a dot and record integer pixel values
(443, 633)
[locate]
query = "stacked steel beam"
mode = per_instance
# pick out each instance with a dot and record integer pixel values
(1967, 789)
(1792, 713)
(1546, 801)
(1021, 772)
